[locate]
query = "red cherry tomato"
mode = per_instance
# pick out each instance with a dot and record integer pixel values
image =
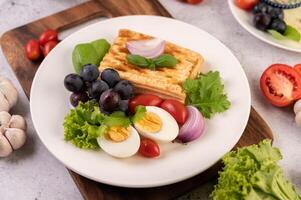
(33, 50)
(176, 109)
(48, 35)
(193, 1)
(149, 148)
(298, 68)
(144, 100)
(281, 85)
(246, 4)
(48, 47)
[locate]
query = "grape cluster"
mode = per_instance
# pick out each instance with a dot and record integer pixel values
(268, 17)
(106, 88)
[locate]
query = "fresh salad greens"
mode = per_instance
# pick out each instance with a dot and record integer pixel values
(290, 33)
(164, 60)
(252, 173)
(206, 93)
(139, 114)
(85, 123)
(89, 53)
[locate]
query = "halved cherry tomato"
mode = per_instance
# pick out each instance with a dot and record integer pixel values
(144, 100)
(246, 4)
(32, 50)
(48, 47)
(281, 85)
(48, 35)
(176, 109)
(149, 148)
(193, 1)
(298, 68)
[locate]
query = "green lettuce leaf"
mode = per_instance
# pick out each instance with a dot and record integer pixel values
(85, 123)
(139, 114)
(252, 173)
(206, 92)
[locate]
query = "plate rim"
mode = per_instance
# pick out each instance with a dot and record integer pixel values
(162, 183)
(241, 23)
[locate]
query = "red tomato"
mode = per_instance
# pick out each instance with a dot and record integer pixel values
(149, 148)
(48, 47)
(298, 68)
(176, 109)
(193, 1)
(32, 50)
(48, 35)
(246, 4)
(281, 85)
(144, 100)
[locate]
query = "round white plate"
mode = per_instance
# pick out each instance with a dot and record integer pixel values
(245, 19)
(49, 104)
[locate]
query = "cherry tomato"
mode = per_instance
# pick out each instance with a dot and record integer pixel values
(176, 109)
(149, 148)
(48, 47)
(48, 35)
(144, 100)
(33, 50)
(193, 1)
(246, 4)
(281, 85)
(298, 68)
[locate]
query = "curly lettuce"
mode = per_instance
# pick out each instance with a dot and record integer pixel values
(85, 123)
(252, 173)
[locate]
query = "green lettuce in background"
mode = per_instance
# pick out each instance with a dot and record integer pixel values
(252, 173)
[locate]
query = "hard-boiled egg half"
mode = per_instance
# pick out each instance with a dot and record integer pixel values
(157, 124)
(121, 142)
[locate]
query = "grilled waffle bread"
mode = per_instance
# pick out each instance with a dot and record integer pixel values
(164, 82)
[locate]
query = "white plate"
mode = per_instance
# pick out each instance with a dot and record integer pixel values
(49, 104)
(245, 19)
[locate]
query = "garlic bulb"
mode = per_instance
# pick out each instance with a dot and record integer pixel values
(12, 133)
(8, 94)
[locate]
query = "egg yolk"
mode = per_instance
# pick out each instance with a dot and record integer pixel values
(151, 122)
(118, 134)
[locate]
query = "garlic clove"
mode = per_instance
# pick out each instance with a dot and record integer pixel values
(17, 121)
(9, 91)
(16, 137)
(4, 118)
(4, 105)
(5, 147)
(297, 106)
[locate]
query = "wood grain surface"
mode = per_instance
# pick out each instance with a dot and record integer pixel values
(12, 43)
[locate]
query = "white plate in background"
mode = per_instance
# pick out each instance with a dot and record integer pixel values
(245, 19)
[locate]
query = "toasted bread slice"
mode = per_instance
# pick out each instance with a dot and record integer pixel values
(164, 82)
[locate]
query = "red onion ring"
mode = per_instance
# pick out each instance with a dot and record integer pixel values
(194, 126)
(146, 48)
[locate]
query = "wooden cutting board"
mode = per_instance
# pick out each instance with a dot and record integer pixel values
(12, 43)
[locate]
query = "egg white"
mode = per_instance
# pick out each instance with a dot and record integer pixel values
(169, 130)
(122, 149)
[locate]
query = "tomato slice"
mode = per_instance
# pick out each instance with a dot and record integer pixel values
(149, 148)
(281, 84)
(176, 109)
(144, 100)
(298, 68)
(246, 4)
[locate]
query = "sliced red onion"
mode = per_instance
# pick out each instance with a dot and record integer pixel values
(193, 127)
(147, 48)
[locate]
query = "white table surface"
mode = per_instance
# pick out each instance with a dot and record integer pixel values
(32, 173)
